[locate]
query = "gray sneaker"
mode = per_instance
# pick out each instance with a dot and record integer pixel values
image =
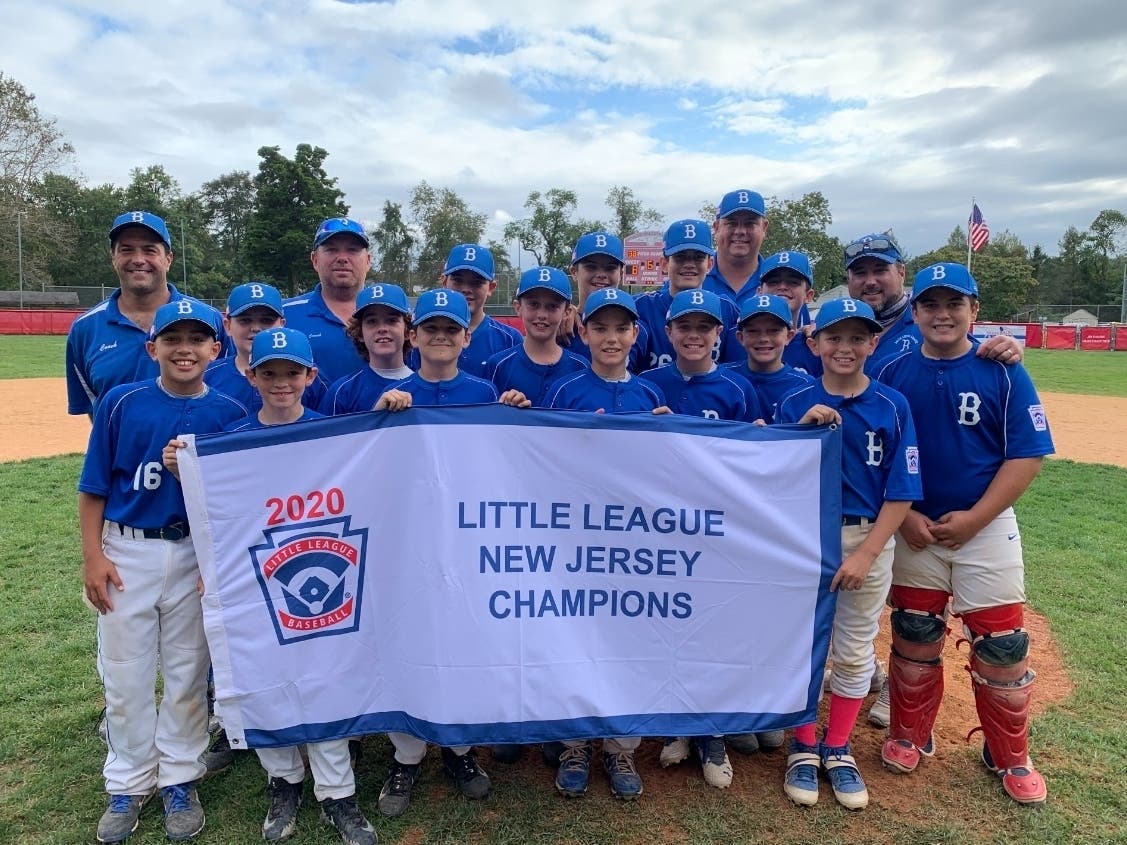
(121, 817)
(183, 813)
(345, 816)
(219, 755)
(395, 794)
(881, 712)
(281, 817)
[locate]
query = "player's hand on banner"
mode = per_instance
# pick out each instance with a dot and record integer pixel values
(954, 529)
(168, 456)
(393, 400)
(853, 571)
(916, 531)
(515, 398)
(1001, 348)
(820, 415)
(98, 572)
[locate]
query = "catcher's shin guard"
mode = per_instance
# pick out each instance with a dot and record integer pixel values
(915, 691)
(1003, 710)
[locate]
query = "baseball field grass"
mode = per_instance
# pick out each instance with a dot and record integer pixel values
(50, 755)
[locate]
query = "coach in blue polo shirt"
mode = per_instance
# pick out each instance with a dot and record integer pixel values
(106, 345)
(342, 260)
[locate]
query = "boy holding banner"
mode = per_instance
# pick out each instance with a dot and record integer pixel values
(281, 368)
(880, 480)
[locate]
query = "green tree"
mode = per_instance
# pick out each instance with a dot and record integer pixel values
(228, 204)
(1005, 282)
(549, 232)
(1104, 235)
(292, 197)
(444, 219)
(801, 224)
(393, 244)
(627, 213)
(79, 216)
(152, 189)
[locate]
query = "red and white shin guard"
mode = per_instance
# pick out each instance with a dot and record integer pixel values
(915, 691)
(1003, 710)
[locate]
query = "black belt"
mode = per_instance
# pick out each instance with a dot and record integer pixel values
(854, 520)
(175, 531)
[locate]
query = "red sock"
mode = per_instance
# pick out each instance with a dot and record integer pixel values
(805, 734)
(843, 716)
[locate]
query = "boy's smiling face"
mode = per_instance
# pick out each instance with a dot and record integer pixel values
(246, 325)
(281, 383)
(764, 337)
(542, 312)
(693, 336)
(610, 333)
(439, 340)
(844, 347)
(383, 331)
(183, 351)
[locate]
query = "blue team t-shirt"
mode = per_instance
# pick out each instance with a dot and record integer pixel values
(512, 369)
(772, 387)
(333, 350)
(720, 395)
(652, 308)
(588, 391)
(223, 374)
(132, 425)
(879, 456)
(463, 389)
(252, 421)
(360, 391)
(490, 337)
(972, 415)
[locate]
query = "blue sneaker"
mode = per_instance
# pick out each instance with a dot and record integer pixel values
(845, 778)
(574, 771)
(625, 782)
(121, 817)
(801, 781)
(183, 815)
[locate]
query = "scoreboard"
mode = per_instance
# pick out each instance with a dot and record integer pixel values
(643, 259)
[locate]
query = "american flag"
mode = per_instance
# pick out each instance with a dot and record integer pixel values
(978, 231)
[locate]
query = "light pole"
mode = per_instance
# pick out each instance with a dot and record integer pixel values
(1123, 297)
(184, 260)
(19, 249)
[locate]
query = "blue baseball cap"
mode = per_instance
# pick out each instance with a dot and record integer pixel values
(945, 275)
(741, 200)
(787, 260)
(281, 344)
(880, 245)
(473, 257)
(765, 303)
(836, 310)
(544, 278)
(382, 293)
(442, 302)
(145, 220)
(185, 311)
(607, 298)
(341, 226)
(254, 294)
(599, 243)
(695, 302)
(688, 234)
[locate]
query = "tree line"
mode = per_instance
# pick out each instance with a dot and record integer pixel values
(240, 226)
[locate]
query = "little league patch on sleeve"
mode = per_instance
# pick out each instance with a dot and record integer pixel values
(912, 455)
(1037, 414)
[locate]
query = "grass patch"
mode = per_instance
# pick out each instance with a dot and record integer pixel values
(1077, 371)
(50, 756)
(32, 356)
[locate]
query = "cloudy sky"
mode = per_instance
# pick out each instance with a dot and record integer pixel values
(897, 112)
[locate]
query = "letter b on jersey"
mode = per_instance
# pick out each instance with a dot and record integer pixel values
(875, 449)
(969, 403)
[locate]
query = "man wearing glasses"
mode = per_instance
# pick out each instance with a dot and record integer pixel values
(342, 260)
(875, 273)
(739, 230)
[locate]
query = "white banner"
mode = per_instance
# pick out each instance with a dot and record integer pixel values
(488, 575)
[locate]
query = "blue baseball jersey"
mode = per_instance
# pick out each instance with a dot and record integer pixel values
(639, 355)
(252, 421)
(360, 391)
(797, 354)
(588, 391)
(879, 454)
(223, 374)
(902, 336)
(132, 425)
(512, 369)
(490, 337)
(716, 283)
(463, 389)
(652, 308)
(719, 395)
(973, 414)
(104, 349)
(772, 387)
(333, 350)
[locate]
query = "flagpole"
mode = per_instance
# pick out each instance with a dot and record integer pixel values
(972, 200)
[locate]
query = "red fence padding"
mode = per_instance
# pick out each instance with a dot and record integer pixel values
(1034, 336)
(1120, 341)
(1095, 337)
(1060, 337)
(55, 321)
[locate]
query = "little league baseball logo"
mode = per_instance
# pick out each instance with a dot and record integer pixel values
(311, 575)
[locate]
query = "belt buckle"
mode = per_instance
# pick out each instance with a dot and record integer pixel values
(174, 532)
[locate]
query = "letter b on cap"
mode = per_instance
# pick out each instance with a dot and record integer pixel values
(690, 232)
(184, 306)
(938, 272)
(471, 254)
(600, 240)
(849, 306)
(545, 275)
(280, 340)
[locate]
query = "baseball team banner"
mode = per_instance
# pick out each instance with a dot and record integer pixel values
(492, 575)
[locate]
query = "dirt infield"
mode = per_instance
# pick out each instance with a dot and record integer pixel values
(1091, 429)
